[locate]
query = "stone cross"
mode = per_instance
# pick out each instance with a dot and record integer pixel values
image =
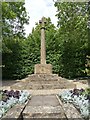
(43, 68)
(43, 48)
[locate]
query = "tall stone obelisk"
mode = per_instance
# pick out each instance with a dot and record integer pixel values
(43, 68)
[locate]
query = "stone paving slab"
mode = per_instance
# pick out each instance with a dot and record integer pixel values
(14, 112)
(70, 111)
(43, 100)
(44, 106)
(34, 110)
(46, 92)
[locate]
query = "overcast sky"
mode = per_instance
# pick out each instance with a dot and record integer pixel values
(37, 9)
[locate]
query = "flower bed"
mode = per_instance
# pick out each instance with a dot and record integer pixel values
(80, 98)
(9, 98)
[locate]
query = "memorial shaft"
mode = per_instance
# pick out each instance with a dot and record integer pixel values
(43, 49)
(43, 46)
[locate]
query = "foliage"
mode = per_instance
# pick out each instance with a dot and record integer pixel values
(10, 98)
(66, 45)
(87, 69)
(14, 16)
(73, 33)
(87, 91)
(79, 99)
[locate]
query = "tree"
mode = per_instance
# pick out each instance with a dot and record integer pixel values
(72, 24)
(88, 56)
(14, 16)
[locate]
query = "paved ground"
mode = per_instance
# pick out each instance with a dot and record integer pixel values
(51, 107)
(40, 107)
(45, 106)
(46, 92)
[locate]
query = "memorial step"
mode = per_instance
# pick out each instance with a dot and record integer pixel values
(21, 86)
(43, 77)
(43, 81)
(48, 86)
(45, 106)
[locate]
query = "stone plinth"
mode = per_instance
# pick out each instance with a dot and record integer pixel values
(43, 69)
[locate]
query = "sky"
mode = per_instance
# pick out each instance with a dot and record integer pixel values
(37, 9)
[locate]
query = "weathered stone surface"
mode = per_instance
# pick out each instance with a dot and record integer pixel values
(70, 111)
(43, 81)
(42, 77)
(43, 46)
(14, 113)
(43, 69)
(44, 112)
(43, 100)
(43, 107)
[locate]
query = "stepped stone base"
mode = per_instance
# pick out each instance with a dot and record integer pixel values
(43, 81)
(43, 69)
